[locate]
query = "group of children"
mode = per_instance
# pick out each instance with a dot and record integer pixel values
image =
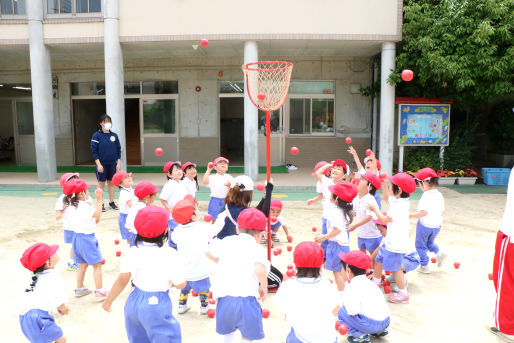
(223, 262)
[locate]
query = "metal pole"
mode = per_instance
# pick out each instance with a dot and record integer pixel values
(268, 173)
(374, 105)
(400, 159)
(441, 157)
(387, 108)
(251, 120)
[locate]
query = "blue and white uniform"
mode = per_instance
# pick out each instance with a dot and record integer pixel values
(49, 293)
(126, 195)
(68, 229)
(85, 245)
(148, 308)
(326, 204)
(190, 186)
(369, 236)
(218, 193)
(363, 308)
(376, 196)
(338, 244)
(107, 149)
(172, 192)
(429, 226)
(277, 222)
(129, 223)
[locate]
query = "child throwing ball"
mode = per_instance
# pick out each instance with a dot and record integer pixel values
(219, 185)
(145, 192)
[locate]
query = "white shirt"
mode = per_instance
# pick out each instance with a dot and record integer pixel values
(126, 194)
(308, 304)
(432, 201)
(153, 269)
(59, 206)
(192, 242)
(369, 229)
(397, 237)
(235, 272)
(81, 217)
(279, 219)
(319, 187)
(190, 186)
(327, 195)
(362, 296)
(173, 191)
(507, 225)
(48, 294)
(217, 185)
(129, 223)
(336, 219)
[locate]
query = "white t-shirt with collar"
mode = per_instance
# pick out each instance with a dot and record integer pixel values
(336, 219)
(217, 185)
(235, 271)
(308, 304)
(190, 186)
(126, 194)
(81, 217)
(362, 296)
(397, 237)
(369, 229)
(173, 191)
(432, 201)
(59, 206)
(48, 294)
(327, 195)
(131, 216)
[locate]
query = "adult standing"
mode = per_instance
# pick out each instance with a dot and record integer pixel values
(106, 149)
(503, 271)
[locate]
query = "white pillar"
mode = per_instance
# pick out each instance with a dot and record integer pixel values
(42, 98)
(251, 133)
(114, 92)
(387, 108)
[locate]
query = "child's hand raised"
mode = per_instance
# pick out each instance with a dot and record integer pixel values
(352, 151)
(99, 193)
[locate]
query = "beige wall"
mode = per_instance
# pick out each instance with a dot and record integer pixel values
(199, 150)
(14, 33)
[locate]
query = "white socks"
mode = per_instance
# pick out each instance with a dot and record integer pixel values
(228, 338)
(377, 280)
(404, 291)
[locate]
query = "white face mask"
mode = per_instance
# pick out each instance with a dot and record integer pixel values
(107, 126)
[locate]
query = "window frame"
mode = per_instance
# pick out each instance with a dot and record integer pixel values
(144, 97)
(14, 16)
(74, 13)
(310, 96)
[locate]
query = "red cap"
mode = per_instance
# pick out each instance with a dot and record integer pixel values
(308, 255)
(378, 221)
(344, 190)
(379, 165)
(183, 210)
(65, 177)
(356, 258)
(425, 173)
(144, 189)
(37, 255)
(373, 179)
(118, 177)
(168, 166)
(251, 218)
(404, 181)
(275, 203)
(319, 165)
(75, 186)
(342, 164)
(187, 164)
(151, 221)
(219, 159)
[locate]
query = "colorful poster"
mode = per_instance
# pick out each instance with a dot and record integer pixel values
(424, 124)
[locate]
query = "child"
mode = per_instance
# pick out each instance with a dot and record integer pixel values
(46, 292)
(396, 242)
(318, 183)
(430, 211)
(277, 221)
(369, 236)
(154, 267)
(83, 218)
(371, 165)
(219, 184)
(241, 278)
(312, 318)
(338, 218)
(363, 309)
(59, 214)
(146, 193)
(190, 178)
(192, 239)
(126, 200)
(173, 191)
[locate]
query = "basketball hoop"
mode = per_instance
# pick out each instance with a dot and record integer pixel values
(267, 83)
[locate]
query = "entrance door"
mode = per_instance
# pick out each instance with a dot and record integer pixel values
(25, 141)
(132, 132)
(7, 156)
(85, 121)
(232, 129)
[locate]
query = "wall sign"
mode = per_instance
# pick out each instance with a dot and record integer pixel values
(424, 124)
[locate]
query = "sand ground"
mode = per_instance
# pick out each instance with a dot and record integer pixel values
(448, 305)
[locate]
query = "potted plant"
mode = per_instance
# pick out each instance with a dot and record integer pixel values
(446, 177)
(466, 177)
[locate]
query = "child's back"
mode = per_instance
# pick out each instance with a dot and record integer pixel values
(397, 237)
(362, 297)
(432, 201)
(81, 217)
(48, 294)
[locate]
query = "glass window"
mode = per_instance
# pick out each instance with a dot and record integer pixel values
(231, 87)
(132, 88)
(159, 116)
(299, 116)
(89, 6)
(12, 7)
(88, 88)
(160, 87)
(311, 115)
(276, 125)
(312, 87)
(59, 6)
(323, 115)
(25, 119)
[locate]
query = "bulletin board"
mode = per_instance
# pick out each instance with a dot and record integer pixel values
(424, 124)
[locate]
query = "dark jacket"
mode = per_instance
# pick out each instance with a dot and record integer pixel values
(105, 147)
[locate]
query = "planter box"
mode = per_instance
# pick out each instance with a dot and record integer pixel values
(466, 180)
(446, 181)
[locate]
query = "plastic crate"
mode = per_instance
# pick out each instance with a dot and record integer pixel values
(496, 176)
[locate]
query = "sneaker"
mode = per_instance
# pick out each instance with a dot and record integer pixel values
(440, 258)
(263, 240)
(101, 293)
(423, 270)
(80, 292)
(396, 289)
(103, 208)
(203, 309)
(184, 308)
(274, 237)
(380, 334)
(363, 339)
(398, 298)
(506, 338)
(390, 278)
(113, 205)
(72, 267)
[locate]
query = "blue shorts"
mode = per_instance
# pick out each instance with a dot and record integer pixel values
(391, 261)
(333, 262)
(86, 249)
(109, 171)
(243, 313)
(292, 338)
(197, 286)
(122, 219)
(68, 236)
(216, 205)
(369, 244)
(276, 226)
(172, 225)
(132, 239)
(148, 318)
(39, 327)
(379, 201)
(411, 261)
(360, 325)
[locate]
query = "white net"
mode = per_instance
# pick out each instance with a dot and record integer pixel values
(267, 83)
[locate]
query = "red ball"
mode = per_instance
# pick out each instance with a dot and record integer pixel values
(279, 250)
(383, 276)
(261, 96)
(490, 276)
(204, 42)
(211, 313)
(103, 261)
(314, 229)
(407, 75)
(383, 176)
(158, 151)
(291, 272)
(289, 239)
(260, 187)
(290, 266)
(116, 241)
(210, 165)
(289, 248)
(275, 252)
(295, 150)
(456, 265)
(194, 294)
(337, 324)
(210, 295)
(207, 218)
(212, 301)
(368, 152)
(343, 329)
(118, 253)
(433, 260)
(265, 313)
(348, 140)
(387, 272)
(387, 283)
(387, 289)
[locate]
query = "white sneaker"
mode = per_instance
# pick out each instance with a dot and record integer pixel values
(184, 308)
(440, 258)
(80, 292)
(423, 269)
(203, 309)
(101, 293)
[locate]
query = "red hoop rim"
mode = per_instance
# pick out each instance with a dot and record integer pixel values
(249, 66)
